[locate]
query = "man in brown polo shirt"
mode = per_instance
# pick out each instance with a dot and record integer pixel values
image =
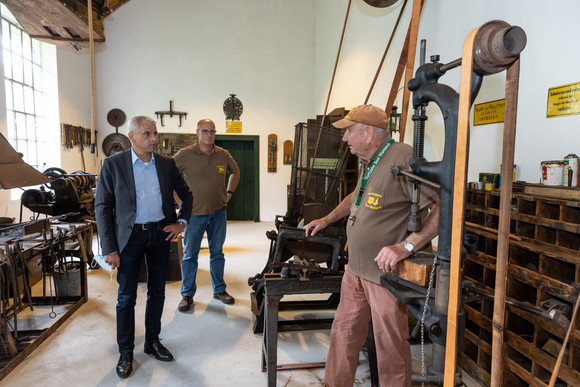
(204, 167)
(378, 211)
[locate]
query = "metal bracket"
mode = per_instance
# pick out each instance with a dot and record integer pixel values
(171, 113)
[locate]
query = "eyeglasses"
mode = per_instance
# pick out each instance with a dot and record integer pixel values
(206, 132)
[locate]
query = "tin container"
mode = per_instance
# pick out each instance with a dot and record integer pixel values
(552, 172)
(570, 179)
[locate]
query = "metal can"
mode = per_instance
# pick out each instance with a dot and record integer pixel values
(570, 179)
(552, 172)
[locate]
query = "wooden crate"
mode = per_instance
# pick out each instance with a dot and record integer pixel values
(544, 261)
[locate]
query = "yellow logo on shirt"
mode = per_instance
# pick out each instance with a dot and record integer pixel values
(373, 201)
(221, 169)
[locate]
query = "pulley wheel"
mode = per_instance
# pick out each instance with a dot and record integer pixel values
(380, 3)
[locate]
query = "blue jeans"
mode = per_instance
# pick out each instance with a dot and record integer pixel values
(215, 225)
(155, 248)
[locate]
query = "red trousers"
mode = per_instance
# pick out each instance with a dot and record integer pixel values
(359, 301)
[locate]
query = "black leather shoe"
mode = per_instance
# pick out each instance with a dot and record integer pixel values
(224, 297)
(125, 364)
(185, 304)
(158, 350)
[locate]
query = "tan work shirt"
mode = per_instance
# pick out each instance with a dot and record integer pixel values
(205, 175)
(383, 214)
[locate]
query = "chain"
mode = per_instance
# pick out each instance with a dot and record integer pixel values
(423, 318)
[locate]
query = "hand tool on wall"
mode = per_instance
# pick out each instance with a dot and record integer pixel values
(272, 151)
(170, 113)
(288, 150)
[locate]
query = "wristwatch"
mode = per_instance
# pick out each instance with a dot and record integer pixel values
(409, 246)
(182, 223)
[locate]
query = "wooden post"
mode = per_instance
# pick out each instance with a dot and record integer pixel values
(414, 30)
(93, 82)
(397, 79)
(509, 140)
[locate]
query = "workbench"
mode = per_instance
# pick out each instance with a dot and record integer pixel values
(55, 254)
(276, 288)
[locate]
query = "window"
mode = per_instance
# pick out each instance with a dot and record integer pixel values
(31, 95)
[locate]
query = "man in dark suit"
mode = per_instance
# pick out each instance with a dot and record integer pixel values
(135, 212)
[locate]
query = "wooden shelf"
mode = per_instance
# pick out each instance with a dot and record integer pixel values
(543, 263)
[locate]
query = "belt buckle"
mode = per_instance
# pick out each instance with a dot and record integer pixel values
(143, 226)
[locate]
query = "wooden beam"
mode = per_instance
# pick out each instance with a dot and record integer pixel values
(412, 49)
(508, 150)
(53, 22)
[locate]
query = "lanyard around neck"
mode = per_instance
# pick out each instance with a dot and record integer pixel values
(367, 175)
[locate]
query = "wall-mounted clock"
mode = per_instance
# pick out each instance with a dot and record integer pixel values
(233, 108)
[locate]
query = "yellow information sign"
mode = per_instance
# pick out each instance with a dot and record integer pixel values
(564, 100)
(489, 112)
(233, 126)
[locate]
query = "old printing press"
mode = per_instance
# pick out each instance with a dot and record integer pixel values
(296, 264)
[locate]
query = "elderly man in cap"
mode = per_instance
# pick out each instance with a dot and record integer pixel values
(378, 211)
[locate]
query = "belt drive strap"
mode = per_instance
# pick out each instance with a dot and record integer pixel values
(458, 217)
(458, 206)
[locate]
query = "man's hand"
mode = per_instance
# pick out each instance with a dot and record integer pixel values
(316, 225)
(174, 230)
(113, 259)
(389, 256)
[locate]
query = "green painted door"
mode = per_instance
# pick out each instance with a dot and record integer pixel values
(244, 204)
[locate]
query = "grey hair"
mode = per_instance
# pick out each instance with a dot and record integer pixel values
(135, 123)
(381, 132)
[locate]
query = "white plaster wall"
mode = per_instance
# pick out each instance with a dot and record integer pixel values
(550, 59)
(277, 56)
(198, 52)
(74, 86)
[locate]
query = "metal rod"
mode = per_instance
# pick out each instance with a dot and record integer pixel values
(451, 65)
(563, 349)
(517, 304)
(418, 178)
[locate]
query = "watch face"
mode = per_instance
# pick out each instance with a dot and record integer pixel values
(233, 108)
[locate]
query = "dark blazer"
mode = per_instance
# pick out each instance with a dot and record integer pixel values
(116, 203)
